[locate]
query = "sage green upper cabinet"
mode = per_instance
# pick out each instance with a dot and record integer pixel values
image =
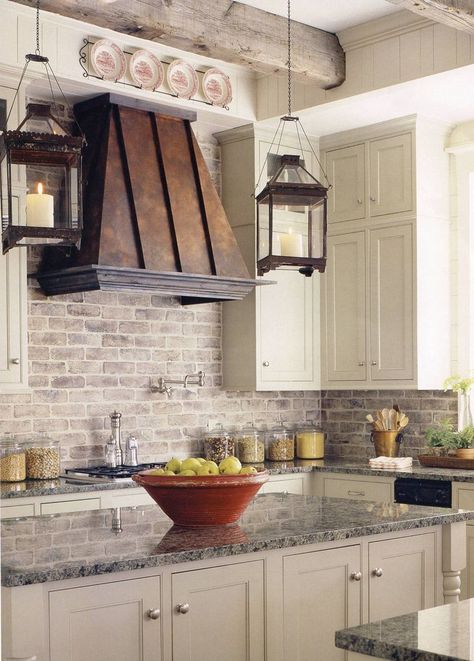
(371, 179)
(386, 292)
(13, 344)
(346, 172)
(271, 339)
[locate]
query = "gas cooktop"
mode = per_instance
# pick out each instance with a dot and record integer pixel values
(106, 473)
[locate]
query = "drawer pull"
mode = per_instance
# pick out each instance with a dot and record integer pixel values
(266, 363)
(378, 571)
(355, 493)
(359, 201)
(182, 608)
(15, 361)
(356, 576)
(153, 613)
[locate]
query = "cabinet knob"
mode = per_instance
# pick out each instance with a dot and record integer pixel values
(182, 608)
(373, 362)
(356, 576)
(372, 198)
(361, 363)
(153, 613)
(378, 571)
(266, 363)
(355, 493)
(359, 201)
(15, 361)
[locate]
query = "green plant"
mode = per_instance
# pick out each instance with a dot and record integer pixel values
(465, 438)
(456, 384)
(442, 435)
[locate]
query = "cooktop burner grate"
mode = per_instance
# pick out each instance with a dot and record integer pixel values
(108, 473)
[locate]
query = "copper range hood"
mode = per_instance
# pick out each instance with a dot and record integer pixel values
(153, 220)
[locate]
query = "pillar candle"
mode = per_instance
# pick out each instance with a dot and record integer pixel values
(291, 244)
(39, 209)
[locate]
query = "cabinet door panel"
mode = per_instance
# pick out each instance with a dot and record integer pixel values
(346, 308)
(346, 172)
(226, 616)
(390, 179)
(286, 329)
(406, 584)
(106, 622)
(391, 303)
(319, 599)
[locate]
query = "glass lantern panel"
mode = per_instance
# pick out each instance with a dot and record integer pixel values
(50, 196)
(42, 124)
(317, 230)
(290, 226)
(294, 174)
(263, 229)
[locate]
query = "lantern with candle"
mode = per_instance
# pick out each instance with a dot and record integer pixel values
(292, 220)
(45, 209)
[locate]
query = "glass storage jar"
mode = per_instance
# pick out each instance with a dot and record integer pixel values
(250, 447)
(280, 444)
(309, 442)
(218, 444)
(12, 461)
(43, 459)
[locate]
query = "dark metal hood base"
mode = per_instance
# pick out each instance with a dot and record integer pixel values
(191, 287)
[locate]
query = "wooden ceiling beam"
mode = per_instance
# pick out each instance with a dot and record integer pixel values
(220, 29)
(457, 14)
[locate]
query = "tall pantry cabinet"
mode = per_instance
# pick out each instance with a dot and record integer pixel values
(271, 339)
(385, 294)
(13, 343)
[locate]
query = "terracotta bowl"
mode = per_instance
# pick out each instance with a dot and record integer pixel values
(207, 500)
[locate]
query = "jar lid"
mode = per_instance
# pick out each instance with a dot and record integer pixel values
(249, 429)
(280, 427)
(7, 443)
(309, 425)
(42, 442)
(218, 430)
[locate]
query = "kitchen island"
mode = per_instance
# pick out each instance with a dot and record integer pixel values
(124, 584)
(435, 634)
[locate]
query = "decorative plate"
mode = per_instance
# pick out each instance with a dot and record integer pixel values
(146, 70)
(108, 60)
(182, 79)
(216, 87)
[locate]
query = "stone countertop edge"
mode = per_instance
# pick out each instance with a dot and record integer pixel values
(37, 488)
(361, 644)
(15, 578)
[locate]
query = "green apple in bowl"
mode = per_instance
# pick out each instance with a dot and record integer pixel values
(201, 460)
(174, 465)
(248, 470)
(187, 473)
(230, 466)
(209, 468)
(157, 471)
(169, 473)
(191, 464)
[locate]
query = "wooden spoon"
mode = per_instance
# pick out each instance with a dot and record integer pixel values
(403, 421)
(386, 418)
(380, 419)
(393, 419)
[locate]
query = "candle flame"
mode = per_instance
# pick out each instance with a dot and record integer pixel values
(40, 189)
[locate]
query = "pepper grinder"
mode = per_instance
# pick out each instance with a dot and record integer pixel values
(115, 424)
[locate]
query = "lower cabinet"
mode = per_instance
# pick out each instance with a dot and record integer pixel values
(108, 621)
(463, 497)
(400, 576)
(219, 613)
(321, 596)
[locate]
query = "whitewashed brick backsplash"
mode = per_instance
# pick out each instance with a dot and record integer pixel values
(93, 352)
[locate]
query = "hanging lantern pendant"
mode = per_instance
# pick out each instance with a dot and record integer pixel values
(292, 208)
(40, 174)
(292, 220)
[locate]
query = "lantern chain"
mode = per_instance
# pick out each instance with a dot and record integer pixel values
(289, 58)
(38, 51)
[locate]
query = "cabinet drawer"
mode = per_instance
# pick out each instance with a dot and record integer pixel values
(70, 506)
(290, 485)
(356, 489)
(465, 499)
(14, 511)
(126, 499)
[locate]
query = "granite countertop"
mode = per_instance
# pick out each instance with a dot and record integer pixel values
(444, 633)
(40, 549)
(30, 488)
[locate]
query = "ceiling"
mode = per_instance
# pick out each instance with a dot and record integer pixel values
(331, 16)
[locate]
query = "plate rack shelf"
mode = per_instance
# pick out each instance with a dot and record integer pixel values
(85, 65)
